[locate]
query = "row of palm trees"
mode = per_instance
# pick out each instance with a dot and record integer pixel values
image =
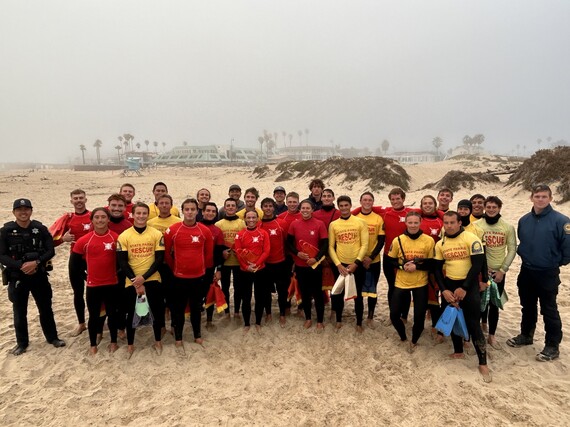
(126, 144)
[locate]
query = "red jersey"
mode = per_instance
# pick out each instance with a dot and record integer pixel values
(99, 251)
(311, 231)
(394, 224)
(431, 226)
(129, 213)
(188, 248)
(256, 242)
(218, 238)
(277, 231)
(288, 218)
(119, 227)
(326, 216)
(78, 225)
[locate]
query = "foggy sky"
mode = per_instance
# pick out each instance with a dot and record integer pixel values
(356, 72)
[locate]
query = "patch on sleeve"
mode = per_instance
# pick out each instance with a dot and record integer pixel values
(567, 228)
(161, 242)
(119, 247)
(476, 248)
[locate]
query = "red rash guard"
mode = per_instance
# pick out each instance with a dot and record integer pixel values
(277, 231)
(311, 231)
(257, 242)
(99, 251)
(189, 248)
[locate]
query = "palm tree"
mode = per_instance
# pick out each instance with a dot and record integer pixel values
(185, 144)
(437, 142)
(147, 143)
(138, 146)
(385, 146)
(300, 133)
(97, 146)
(126, 144)
(284, 135)
(307, 136)
(83, 149)
(155, 143)
(290, 139)
(118, 148)
(275, 135)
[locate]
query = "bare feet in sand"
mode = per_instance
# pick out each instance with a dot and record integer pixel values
(320, 328)
(199, 341)
(268, 318)
(93, 351)
(370, 323)
(158, 347)
(113, 347)
(485, 373)
(78, 330)
(282, 321)
(359, 329)
(308, 324)
(457, 356)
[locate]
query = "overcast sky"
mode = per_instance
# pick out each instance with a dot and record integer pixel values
(355, 72)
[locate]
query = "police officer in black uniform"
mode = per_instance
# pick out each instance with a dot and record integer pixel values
(25, 248)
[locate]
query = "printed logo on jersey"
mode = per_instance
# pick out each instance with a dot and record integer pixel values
(567, 228)
(119, 247)
(476, 248)
(161, 242)
(35, 231)
(312, 232)
(108, 246)
(86, 227)
(195, 239)
(402, 219)
(433, 231)
(255, 239)
(273, 232)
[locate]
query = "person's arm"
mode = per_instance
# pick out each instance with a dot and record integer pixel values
(477, 262)
(49, 250)
(290, 244)
(424, 264)
(364, 236)
(323, 248)
(565, 244)
(123, 260)
(438, 273)
(332, 246)
(379, 245)
(393, 262)
(158, 260)
(511, 250)
(5, 258)
(266, 248)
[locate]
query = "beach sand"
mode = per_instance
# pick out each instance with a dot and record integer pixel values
(288, 376)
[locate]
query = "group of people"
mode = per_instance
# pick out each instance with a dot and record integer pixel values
(431, 254)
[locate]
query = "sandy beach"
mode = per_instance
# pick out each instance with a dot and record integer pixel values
(288, 376)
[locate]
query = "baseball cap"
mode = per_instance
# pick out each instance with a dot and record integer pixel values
(235, 187)
(278, 188)
(22, 203)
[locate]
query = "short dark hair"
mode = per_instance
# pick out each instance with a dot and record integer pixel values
(118, 197)
(476, 196)
(292, 194)
(453, 213)
(397, 191)
(445, 190)
(159, 183)
(307, 201)
(367, 193)
(126, 184)
(212, 204)
(140, 205)
(77, 191)
(229, 199)
(495, 200)
(94, 211)
(267, 200)
(166, 196)
(253, 191)
(328, 190)
(343, 199)
(190, 200)
(414, 213)
(539, 188)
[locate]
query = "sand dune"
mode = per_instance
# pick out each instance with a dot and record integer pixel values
(284, 376)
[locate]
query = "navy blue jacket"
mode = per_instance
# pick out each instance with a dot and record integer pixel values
(544, 239)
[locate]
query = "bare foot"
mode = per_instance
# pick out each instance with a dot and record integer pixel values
(130, 351)
(258, 329)
(438, 340)
(199, 341)
(370, 323)
(308, 324)
(282, 321)
(412, 347)
(268, 318)
(121, 334)
(457, 356)
(387, 322)
(320, 328)
(245, 329)
(113, 347)
(359, 329)
(494, 343)
(93, 350)
(78, 330)
(485, 373)
(338, 326)
(468, 348)
(158, 347)
(179, 348)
